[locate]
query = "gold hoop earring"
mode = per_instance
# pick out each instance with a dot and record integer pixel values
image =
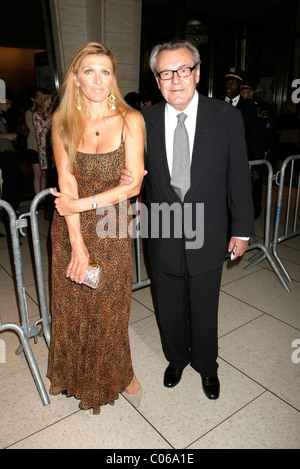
(111, 102)
(78, 100)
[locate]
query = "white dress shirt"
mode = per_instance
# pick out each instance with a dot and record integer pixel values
(234, 100)
(171, 123)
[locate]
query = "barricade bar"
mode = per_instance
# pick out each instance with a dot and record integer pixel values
(145, 282)
(281, 177)
(46, 318)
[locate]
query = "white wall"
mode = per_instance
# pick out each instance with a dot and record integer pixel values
(115, 23)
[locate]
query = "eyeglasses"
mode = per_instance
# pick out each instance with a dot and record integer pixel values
(183, 72)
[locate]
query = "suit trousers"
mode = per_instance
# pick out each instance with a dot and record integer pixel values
(187, 313)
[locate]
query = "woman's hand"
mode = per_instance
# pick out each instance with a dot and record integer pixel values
(79, 262)
(64, 203)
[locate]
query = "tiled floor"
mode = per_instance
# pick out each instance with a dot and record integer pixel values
(259, 405)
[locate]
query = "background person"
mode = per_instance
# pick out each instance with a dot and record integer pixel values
(11, 173)
(42, 127)
(234, 79)
(39, 179)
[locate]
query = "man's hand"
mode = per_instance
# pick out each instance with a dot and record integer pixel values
(238, 246)
(126, 178)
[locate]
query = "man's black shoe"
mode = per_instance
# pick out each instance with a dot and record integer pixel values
(211, 387)
(172, 377)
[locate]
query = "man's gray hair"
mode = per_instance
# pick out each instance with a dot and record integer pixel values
(173, 45)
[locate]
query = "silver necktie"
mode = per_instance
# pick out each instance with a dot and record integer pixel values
(180, 179)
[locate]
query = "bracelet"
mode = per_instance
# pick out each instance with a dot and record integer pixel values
(94, 204)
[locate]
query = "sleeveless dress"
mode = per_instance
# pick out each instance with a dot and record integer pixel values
(89, 353)
(42, 132)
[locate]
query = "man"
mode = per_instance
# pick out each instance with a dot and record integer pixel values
(247, 90)
(9, 165)
(264, 113)
(185, 273)
(234, 79)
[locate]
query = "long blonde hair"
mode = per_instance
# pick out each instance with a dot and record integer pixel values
(71, 121)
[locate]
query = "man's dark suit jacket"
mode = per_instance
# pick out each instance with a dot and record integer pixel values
(253, 130)
(220, 180)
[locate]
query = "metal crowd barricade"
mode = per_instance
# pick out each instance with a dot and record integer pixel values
(265, 247)
(24, 331)
(140, 283)
(290, 230)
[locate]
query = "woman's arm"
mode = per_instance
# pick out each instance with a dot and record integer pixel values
(134, 162)
(68, 184)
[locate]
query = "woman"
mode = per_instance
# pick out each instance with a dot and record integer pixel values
(39, 182)
(42, 124)
(95, 134)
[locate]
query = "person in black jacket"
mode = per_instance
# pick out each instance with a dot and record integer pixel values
(265, 113)
(186, 267)
(254, 140)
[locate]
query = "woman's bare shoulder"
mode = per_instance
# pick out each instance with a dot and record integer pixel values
(133, 118)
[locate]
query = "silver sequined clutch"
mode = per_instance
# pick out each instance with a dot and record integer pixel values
(92, 277)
